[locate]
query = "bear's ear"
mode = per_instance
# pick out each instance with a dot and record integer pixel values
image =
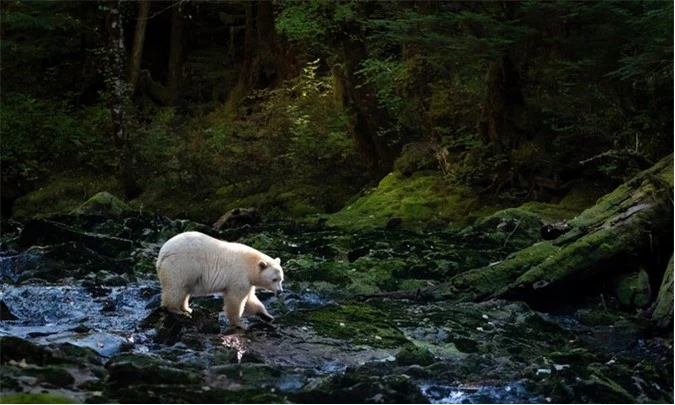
(262, 265)
(278, 261)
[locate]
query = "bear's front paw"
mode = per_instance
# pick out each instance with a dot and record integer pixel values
(266, 317)
(241, 326)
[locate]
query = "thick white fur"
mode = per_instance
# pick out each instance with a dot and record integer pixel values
(194, 264)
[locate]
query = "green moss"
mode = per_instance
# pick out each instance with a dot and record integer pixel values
(103, 203)
(411, 354)
(575, 202)
(663, 313)
(633, 289)
(511, 228)
(175, 204)
(657, 178)
(576, 258)
(54, 375)
(130, 369)
(488, 280)
(62, 195)
(609, 390)
(360, 324)
(35, 399)
(309, 268)
(422, 201)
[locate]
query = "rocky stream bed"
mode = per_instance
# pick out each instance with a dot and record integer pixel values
(80, 322)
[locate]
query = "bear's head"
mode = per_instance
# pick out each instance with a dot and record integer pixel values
(271, 275)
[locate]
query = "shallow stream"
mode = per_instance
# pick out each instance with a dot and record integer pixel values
(80, 319)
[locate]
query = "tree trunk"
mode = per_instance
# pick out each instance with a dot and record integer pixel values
(503, 114)
(622, 232)
(118, 99)
(176, 54)
(139, 40)
(370, 124)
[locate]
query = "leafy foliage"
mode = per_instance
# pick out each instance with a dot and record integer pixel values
(274, 112)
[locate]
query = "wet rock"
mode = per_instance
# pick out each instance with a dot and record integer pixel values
(553, 231)
(238, 217)
(45, 232)
(52, 263)
(104, 204)
(5, 313)
(130, 369)
(192, 393)
(171, 327)
(354, 387)
(16, 349)
(12, 267)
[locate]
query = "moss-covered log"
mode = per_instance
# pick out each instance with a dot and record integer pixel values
(663, 312)
(622, 231)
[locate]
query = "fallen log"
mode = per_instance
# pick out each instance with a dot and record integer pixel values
(624, 230)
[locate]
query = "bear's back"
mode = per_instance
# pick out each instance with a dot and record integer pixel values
(190, 243)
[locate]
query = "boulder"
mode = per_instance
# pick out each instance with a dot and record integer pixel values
(104, 204)
(632, 289)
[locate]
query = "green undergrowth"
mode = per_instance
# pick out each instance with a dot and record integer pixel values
(35, 399)
(423, 201)
(571, 205)
(63, 195)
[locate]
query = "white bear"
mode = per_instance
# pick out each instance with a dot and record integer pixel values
(194, 264)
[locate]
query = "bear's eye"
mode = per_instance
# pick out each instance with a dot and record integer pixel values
(275, 280)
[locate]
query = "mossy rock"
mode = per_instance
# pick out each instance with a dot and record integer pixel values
(633, 290)
(411, 354)
(415, 157)
(130, 369)
(192, 393)
(250, 374)
(62, 195)
(310, 268)
(172, 327)
(17, 349)
(54, 375)
(359, 324)
(575, 202)
(359, 386)
(35, 399)
(104, 204)
(513, 227)
(423, 201)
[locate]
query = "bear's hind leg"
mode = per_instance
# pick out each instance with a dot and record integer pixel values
(255, 307)
(234, 307)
